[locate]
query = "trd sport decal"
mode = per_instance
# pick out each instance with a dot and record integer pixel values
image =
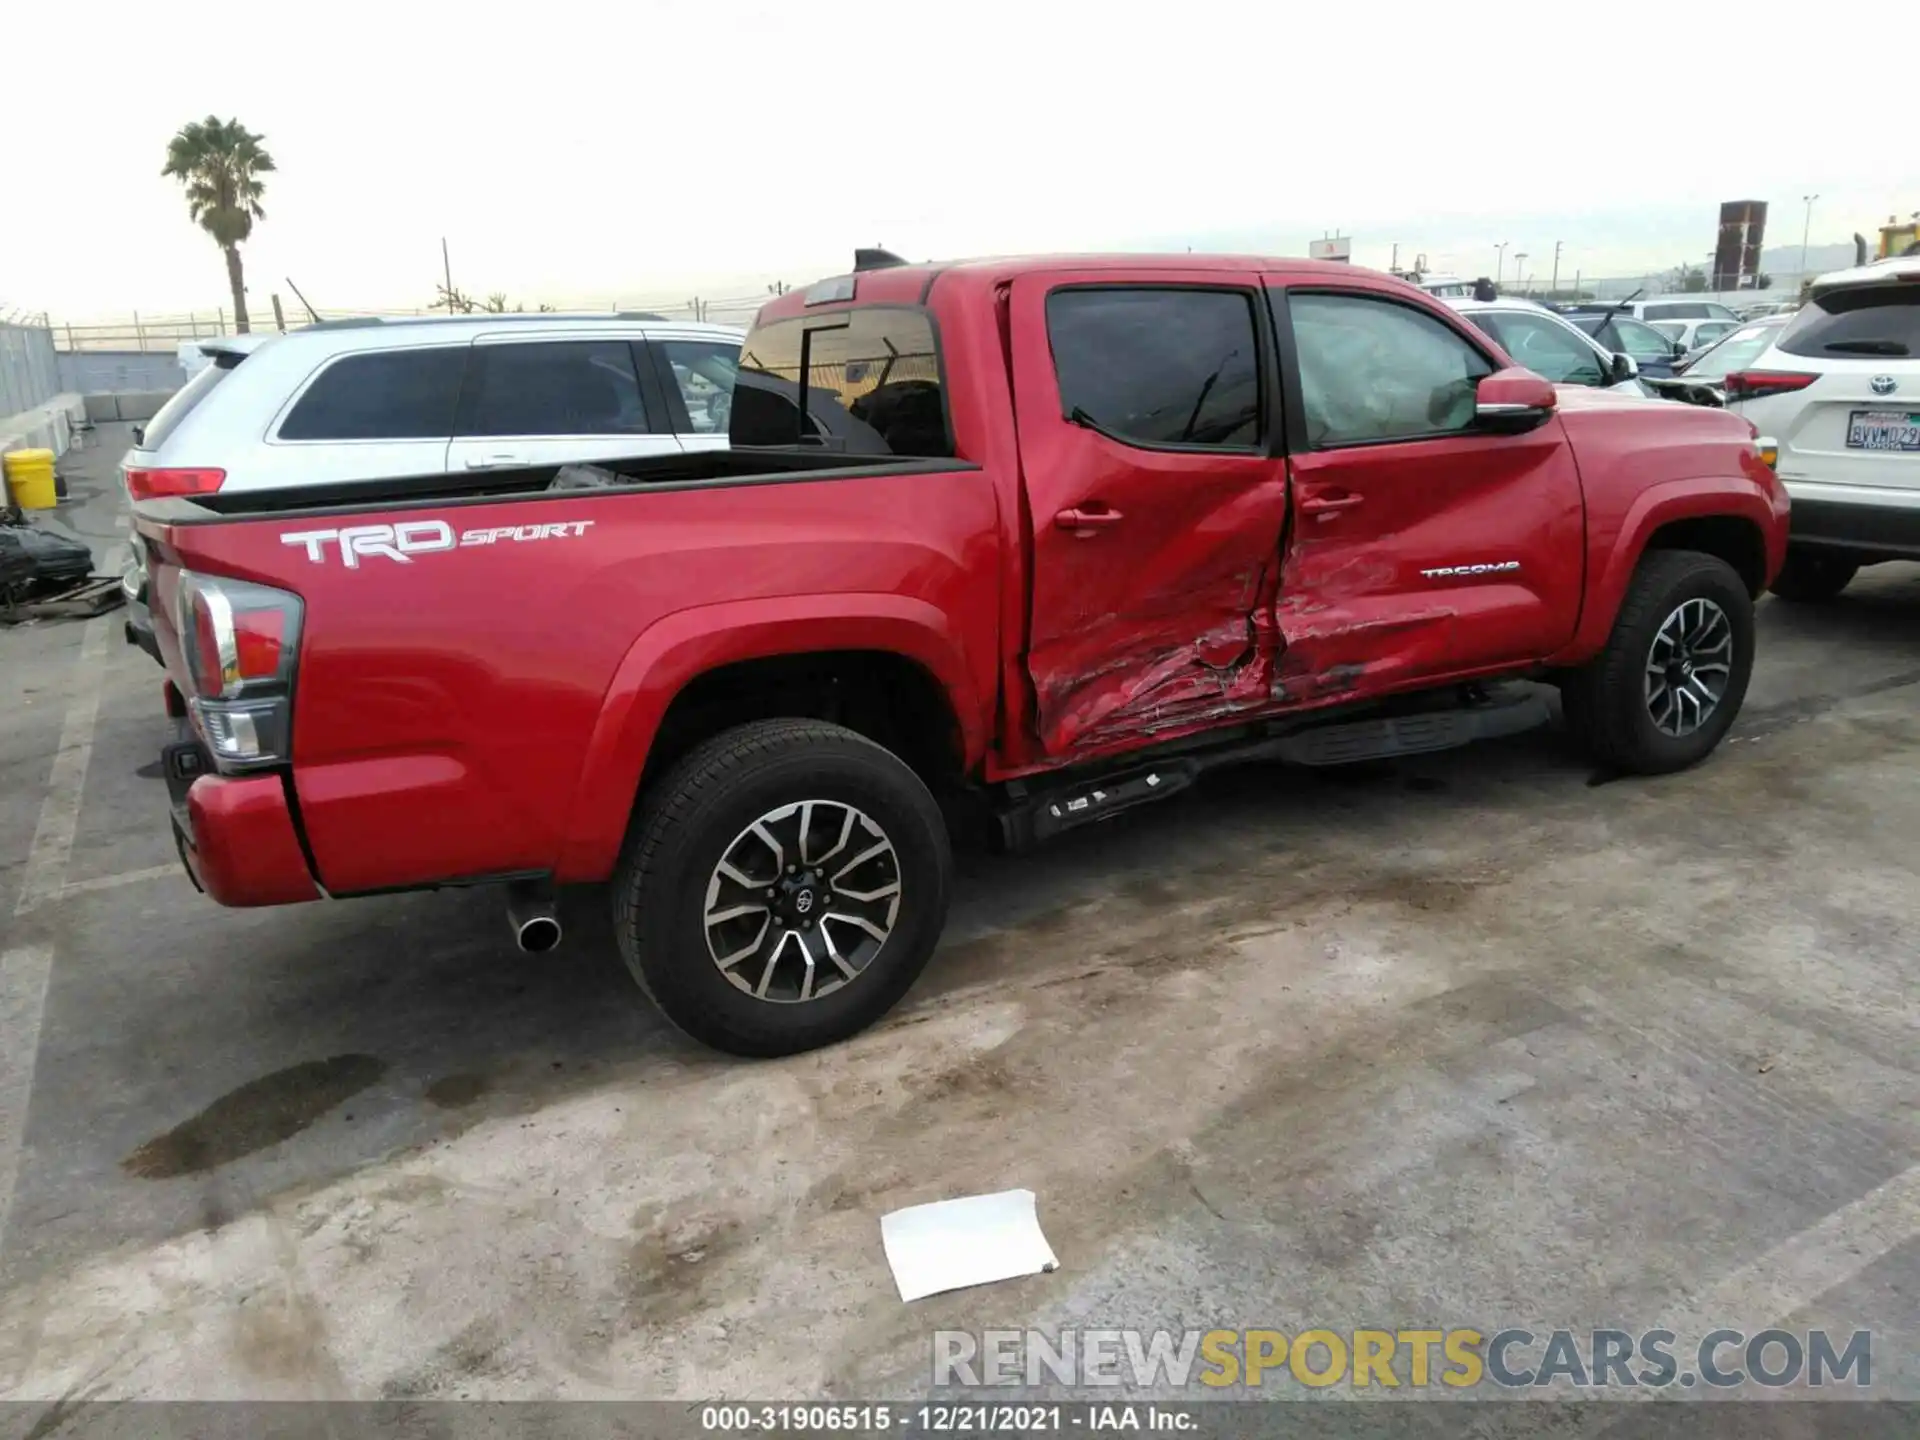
(416, 537)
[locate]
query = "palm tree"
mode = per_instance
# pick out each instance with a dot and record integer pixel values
(219, 163)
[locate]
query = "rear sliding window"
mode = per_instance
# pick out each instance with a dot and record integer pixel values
(382, 395)
(864, 381)
(1883, 320)
(167, 419)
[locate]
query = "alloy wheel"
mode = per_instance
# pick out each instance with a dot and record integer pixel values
(802, 901)
(1689, 666)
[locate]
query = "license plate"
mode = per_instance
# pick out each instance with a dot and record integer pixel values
(1883, 430)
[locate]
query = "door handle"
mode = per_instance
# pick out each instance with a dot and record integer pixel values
(1328, 504)
(1078, 519)
(493, 462)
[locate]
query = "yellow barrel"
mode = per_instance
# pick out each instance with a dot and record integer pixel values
(30, 478)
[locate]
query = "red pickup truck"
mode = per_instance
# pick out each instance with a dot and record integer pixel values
(1044, 538)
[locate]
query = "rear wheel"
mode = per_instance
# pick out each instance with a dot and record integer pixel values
(1666, 689)
(786, 884)
(1813, 575)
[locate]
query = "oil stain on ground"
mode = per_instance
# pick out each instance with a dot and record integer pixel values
(260, 1113)
(450, 1092)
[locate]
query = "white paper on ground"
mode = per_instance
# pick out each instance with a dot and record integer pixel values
(952, 1244)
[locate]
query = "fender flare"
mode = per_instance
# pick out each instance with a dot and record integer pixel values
(1661, 504)
(680, 647)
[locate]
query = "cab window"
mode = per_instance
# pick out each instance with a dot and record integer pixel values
(1373, 371)
(1158, 367)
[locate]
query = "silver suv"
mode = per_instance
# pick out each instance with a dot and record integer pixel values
(344, 401)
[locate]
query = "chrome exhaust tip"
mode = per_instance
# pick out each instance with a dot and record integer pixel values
(531, 916)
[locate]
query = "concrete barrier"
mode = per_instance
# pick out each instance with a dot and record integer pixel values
(48, 426)
(104, 409)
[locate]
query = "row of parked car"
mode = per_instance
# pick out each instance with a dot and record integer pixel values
(1836, 380)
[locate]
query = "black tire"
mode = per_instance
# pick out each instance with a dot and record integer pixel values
(687, 823)
(1809, 576)
(1605, 701)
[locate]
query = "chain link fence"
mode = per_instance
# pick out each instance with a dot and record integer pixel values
(143, 333)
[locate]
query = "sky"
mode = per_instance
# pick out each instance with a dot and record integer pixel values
(585, 153)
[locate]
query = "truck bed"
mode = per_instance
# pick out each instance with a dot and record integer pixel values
(483, 658)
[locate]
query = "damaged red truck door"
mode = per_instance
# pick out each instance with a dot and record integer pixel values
(1424, 545)
(1156, 526)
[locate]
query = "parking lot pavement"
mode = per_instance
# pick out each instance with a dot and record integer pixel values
(1481, 1039)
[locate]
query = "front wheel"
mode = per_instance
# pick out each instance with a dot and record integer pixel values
(1667, 687)
(786, 884)
(1813, 575)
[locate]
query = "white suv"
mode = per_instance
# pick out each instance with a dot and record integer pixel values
(344, 401)
(350, 400)
(1839, 388)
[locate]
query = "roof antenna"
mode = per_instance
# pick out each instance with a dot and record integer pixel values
(312, 314)
(875, 259)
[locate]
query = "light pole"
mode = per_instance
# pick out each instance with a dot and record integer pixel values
(1519, 269)
(1805, 231)
(1556, 269)
(1500, 260)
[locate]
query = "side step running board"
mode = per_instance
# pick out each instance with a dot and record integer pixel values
(1036, 816)
(1044, 816)
(1416, 734)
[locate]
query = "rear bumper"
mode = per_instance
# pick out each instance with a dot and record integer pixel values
(140, 629)
(1858, 524)
(235, 833)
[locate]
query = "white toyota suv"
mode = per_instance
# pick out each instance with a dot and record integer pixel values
(1839, 388)
(344, 401)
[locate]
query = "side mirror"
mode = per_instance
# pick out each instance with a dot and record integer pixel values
(1625, 367)
(1511, 402)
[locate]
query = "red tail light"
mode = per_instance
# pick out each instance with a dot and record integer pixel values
(153, 484)
(1757, 384)
(240, 642)
(259, 641)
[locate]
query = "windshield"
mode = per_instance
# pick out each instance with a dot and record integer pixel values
(1736, 352)
(1643, 342)
(868, 381)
